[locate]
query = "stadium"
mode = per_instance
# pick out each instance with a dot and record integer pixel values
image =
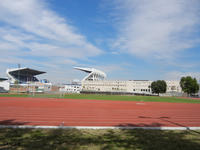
(100, 75)
(23, 75)
(25, 80)
(117, 112)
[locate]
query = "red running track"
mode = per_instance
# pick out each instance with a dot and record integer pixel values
(68, 112)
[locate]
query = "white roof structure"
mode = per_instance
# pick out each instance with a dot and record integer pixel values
(94, 74)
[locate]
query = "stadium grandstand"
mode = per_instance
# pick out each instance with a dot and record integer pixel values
(94, 74)
(23, 75)
(27, 80)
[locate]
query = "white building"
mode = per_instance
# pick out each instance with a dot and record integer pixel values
(134, 86)
(70, 88)
(4, 85)
(98, 84)
(74, 87)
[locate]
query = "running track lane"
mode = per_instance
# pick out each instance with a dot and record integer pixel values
(70, 112)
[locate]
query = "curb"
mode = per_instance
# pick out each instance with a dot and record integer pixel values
(96, 127)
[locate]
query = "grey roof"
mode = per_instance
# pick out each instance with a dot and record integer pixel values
(3, 79)
(25, 71)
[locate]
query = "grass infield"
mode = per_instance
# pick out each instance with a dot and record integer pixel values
(109, 97)
(68, 139)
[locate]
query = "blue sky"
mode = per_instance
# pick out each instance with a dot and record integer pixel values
(127, 39)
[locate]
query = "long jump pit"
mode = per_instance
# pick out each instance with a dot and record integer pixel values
(96, 114)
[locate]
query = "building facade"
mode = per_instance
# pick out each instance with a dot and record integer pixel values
(99, 84)
(71, 88)
(132, 87)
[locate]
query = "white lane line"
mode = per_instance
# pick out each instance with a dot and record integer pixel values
(140, 103)
(97, 127)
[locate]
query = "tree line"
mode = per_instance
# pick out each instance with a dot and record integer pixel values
(188, 84)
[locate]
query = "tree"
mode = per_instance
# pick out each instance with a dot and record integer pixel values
(158, 86)
(189, 85)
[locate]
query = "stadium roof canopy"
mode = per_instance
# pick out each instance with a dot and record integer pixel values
(3, 79)
(94, 74)
(25, 71)
(23, 74)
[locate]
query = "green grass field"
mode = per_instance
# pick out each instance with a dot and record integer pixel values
(72, 139)
(109, 97)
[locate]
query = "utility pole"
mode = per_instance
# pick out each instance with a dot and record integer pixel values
(19, 66)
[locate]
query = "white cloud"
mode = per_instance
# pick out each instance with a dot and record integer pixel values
(176, 75)
(155, 27)
(35, 36)
(31, 25)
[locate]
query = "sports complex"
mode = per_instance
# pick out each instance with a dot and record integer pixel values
(95, 110)
(120, 111)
